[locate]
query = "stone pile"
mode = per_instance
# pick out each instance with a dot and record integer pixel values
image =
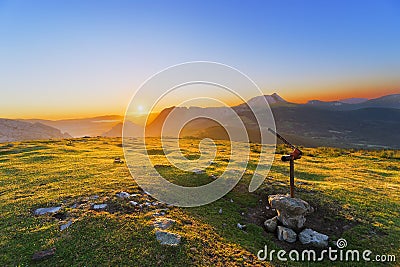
(289, 222)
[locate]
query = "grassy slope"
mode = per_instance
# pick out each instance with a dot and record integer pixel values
(358, 187)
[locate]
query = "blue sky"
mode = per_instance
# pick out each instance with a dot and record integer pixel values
(78, 58)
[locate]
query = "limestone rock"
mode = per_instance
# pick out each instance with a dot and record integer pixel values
(163, 223)
(309, 236)
(65, 226)
(286, 234)
(42, 211)
(198, 171)
(123, 194)
(271, 224)
(99, 206)
(291, 211)
(168, 238)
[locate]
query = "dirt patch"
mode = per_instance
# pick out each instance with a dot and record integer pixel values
(324, 219)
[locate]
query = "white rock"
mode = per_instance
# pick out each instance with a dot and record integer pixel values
(123, 195)
(99, 206)
(163, 223)
(291, 211)
(286, 234)
(309, 236)
(65, 226)
(220, 211)
(134, 203)
(42, 211)
(198, 171)
(168, 238)
(241, 226)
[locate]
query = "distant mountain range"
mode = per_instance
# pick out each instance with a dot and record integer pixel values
(371, 123)
(13, 130)
(353, 122)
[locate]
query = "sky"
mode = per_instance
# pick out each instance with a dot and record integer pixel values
(69, 59)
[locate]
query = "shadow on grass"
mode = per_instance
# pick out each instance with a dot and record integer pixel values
(299, 174)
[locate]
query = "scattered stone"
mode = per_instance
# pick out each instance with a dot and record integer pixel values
(168, 238)
(148, 204)
(198, 171)
(42, 211)
(220, 211)
(267, 207)
(193, 249)
(291, 211)
(163, 223)
(308, 236)
(134, 203)
(241, 226)
(94, 197)
(65, 226)
(242, 213)
(74, 206)
(271, 224)
(231, 200)
(99, 206)
(212, 176)
(40, 255)
(286, 234)
(118, 160)
(123, 194)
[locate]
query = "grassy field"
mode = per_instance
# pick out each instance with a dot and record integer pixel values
(355, 194)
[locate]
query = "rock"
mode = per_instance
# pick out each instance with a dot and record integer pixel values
(308, 236)
(271, 224)
(291, 211)
(123, 194)
(168, 238)
(118, 160)
(220, 211)
(42, 211)
(286, 234)
(231, 200)
(197, 171)
(99, 206)
(241, 226)
(134, 203)
(212, 176)
(40, 255)
(65, 226)
(193, 249)
(163, 223)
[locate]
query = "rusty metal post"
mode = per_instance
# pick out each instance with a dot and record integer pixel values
(291, 178)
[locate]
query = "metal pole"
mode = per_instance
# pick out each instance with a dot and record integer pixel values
(291, 178)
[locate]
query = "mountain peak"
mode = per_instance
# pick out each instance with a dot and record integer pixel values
(271, 99)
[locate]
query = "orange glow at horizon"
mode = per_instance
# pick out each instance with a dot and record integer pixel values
(62, 113)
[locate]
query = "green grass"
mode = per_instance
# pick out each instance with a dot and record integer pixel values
(359, 188)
